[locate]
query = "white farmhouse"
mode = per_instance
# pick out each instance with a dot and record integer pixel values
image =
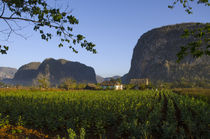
(118, 87)
(112, 85)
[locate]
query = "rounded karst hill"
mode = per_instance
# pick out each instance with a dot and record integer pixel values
(27, 72)
(60, 69)
(56, 70)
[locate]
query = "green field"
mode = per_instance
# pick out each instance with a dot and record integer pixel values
(195, 92)
(105, 114)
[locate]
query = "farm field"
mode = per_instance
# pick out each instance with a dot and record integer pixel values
(102, 114)
(195, 92)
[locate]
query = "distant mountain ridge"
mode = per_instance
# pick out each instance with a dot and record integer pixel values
(100, 79)
(57, 71)
(113, 77)
(7, 72)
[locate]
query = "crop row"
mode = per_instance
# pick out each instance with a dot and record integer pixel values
(111, 114)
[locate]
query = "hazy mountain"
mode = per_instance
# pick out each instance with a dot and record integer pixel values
(7, 73)
(154, 56)
(99, 79)
(113, 77)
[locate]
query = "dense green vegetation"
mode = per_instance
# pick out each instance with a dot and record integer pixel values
(111, 114)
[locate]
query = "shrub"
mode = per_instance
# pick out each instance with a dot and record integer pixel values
(81, 86)
(68, 84)
(42, 81)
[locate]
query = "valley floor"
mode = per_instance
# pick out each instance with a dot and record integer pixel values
(103, 114)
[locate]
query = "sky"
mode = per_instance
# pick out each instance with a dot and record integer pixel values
(113, 25)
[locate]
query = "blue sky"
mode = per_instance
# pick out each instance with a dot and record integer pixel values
(113, 25)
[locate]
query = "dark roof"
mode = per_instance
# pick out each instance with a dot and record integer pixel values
(110, 83)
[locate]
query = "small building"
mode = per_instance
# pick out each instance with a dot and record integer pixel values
(112, 85)
(91, 86)
(140, 81)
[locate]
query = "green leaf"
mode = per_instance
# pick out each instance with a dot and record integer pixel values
(43, 36)
(60, 45)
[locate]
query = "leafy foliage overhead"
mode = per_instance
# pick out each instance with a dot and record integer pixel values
(201, 35)
(186, 4)
(199, 47)
(42, 16)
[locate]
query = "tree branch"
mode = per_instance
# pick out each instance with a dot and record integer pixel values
(29, 20)
(41, 15)
(11, 29)
(3, 10)
(19, 18)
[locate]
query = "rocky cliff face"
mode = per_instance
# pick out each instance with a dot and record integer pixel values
(56, 70)
(7, 73)
(154, 56)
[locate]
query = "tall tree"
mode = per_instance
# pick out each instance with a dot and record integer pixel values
(201, 36)
(42, 81)
(45, 20)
